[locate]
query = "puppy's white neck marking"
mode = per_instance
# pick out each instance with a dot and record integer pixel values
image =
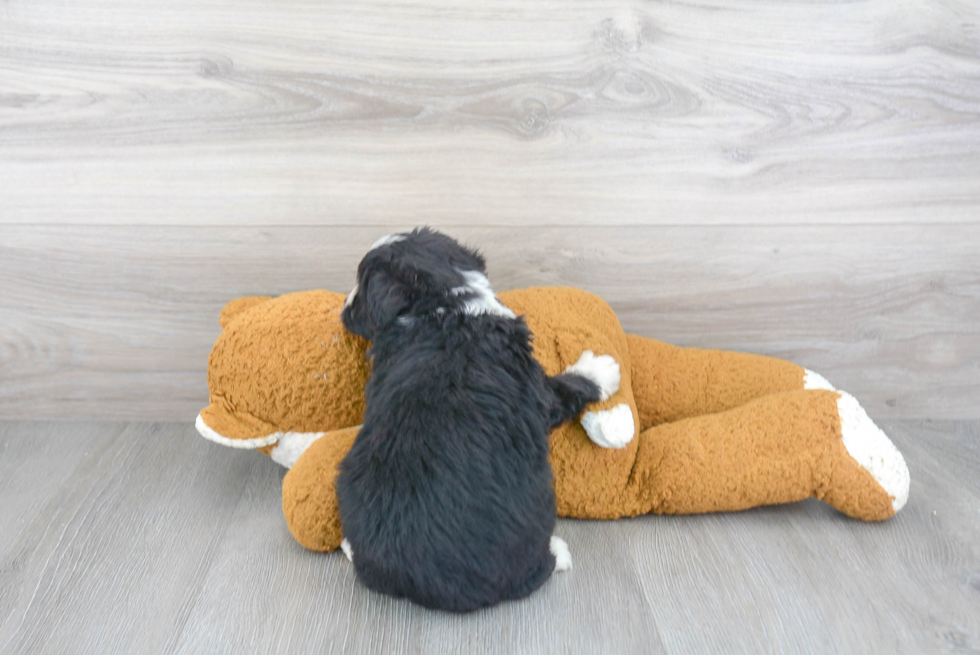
(387, 241)
(485, 301)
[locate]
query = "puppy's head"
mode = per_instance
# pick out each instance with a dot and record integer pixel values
(406, 276)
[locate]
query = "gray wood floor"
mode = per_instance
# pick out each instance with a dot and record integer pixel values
(142, 537)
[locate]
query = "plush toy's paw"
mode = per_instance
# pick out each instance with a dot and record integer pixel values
(813, 380)
(348, 551)
(602, 370)
(610, 428)
(563, 557)
(291, 446)
(873, 450)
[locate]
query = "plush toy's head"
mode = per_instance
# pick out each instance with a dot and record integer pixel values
(285, 371)
(283, 365)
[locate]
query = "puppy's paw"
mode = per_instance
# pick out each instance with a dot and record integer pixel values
(348, 551)
(602, 370)
(610, 428)
(563, 557)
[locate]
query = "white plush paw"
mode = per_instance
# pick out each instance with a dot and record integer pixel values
(563, 557)
(291, 446)
(348, 551)
(603, 370)
(873, 450)
(610, 428)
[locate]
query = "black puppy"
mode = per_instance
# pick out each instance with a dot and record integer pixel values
(446, 496)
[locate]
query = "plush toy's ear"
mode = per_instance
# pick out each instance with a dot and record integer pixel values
(283, 365)
(239, 305)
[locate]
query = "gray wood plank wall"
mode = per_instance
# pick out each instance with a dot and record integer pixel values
(800, 179)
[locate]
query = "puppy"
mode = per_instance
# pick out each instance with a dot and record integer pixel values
(446, 497)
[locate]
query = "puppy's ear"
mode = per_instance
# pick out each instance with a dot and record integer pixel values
(386, 298)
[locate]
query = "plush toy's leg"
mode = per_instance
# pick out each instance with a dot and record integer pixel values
(609, 428)
(672, 383)
(559, 344)
(309, 498)
(777, 449)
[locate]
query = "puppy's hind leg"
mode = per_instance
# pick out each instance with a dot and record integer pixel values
(563, 557)
(556, 558)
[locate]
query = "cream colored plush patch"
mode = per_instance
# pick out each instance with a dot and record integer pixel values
(289, 445)
(813, 380)
(610, 428)
(602, 370)
(873, 450)
(244, 444)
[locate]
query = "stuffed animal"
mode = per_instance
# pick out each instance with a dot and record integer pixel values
(689, 431)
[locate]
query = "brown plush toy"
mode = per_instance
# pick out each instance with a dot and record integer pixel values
(689, 431)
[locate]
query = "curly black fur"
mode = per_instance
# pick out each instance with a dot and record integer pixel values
(446, 496)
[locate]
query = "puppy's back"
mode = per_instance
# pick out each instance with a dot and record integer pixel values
(446, 496)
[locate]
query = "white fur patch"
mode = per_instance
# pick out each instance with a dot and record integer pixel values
(350, 297)
(485, 301)
(610, 428)
(602, 370)
(345, 546)
(387, 241)
(563, 557)
(873, 450)
(813, 380)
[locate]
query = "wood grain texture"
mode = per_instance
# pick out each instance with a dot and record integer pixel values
(117, 322)
(804, 595)
(596, 112)
(149, 539)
